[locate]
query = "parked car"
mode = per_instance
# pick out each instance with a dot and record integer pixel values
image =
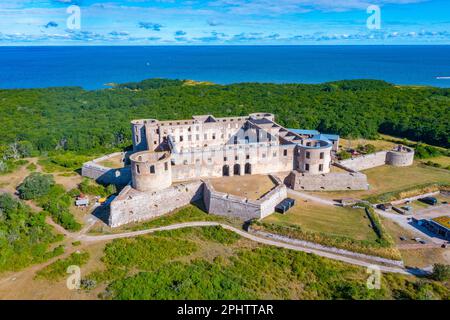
(429, 200)
(384, 206)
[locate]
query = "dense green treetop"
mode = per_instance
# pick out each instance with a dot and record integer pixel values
(71, 118)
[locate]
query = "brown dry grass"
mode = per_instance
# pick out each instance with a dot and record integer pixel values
(251, 186)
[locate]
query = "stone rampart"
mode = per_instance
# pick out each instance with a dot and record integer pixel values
(105, 175)
(135, 206)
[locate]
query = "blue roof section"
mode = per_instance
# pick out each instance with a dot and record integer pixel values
(304, 131)
(332, 137)
(316, 134)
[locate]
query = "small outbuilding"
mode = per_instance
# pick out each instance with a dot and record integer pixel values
(82, 201)
(285, 205)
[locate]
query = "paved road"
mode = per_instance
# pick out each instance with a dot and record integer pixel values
(402, 220)
(244, 234)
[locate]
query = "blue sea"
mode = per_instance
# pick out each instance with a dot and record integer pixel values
(92, 67)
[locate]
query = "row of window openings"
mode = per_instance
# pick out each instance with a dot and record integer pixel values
(247, 157)
(189, 129)
(205, 137)
(152, 168)
(307, 167)
(308, 155)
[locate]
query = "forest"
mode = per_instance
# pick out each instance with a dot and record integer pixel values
(39, 121)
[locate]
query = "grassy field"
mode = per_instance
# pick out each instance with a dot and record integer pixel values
(442, 160)
(336, 221)
(113, 162)
(422, 258)
(388, 178)
(354, 143)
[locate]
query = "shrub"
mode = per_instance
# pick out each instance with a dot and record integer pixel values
(343, 155)
(57, 202)
(88, 186)
(35, 186)
(425, 151)
(58, 269)
(24, 235)
(441, 272)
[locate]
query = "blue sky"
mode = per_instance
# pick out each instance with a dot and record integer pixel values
(221, 22)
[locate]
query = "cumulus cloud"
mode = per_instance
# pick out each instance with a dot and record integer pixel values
(150, 26)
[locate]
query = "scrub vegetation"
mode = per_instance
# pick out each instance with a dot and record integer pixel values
(178, 265)
(25, 238)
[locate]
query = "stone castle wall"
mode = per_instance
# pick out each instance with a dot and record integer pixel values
(105, 175)
(365, 162)
(401, 156)
(131, 206)
(334, 181)
(400, 159)
(234, 206)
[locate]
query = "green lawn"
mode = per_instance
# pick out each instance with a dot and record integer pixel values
(388, 178)
(336, 221)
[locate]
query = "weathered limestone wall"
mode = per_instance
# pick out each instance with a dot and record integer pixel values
(274, 197)
(400, 159)
(229, 205)
(233, 206)
(105, 175)
(133, 206)
(210, 162)
(151, 170)
(366, 162)
(334, 181)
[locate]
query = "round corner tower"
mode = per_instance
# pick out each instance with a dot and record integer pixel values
(400, 156)
(313, 156)
(151, 171)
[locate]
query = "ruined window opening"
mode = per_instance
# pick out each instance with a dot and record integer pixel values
(307, 155)
(321, 155)
(306, 167)
(285, 152)
(152, 169)
(320, 167)
(166, 166)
